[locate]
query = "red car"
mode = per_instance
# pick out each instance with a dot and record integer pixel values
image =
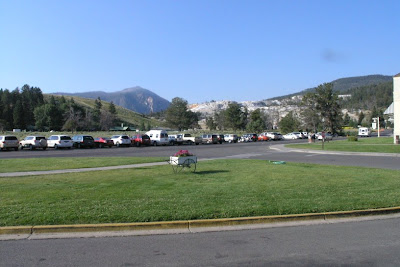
(103, 141)
(141, 140)
(263, 137)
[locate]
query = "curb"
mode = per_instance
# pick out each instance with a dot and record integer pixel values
(190, 224)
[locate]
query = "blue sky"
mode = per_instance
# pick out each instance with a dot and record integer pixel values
(199, 50)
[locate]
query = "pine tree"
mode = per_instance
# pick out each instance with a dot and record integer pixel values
(234, 117)
(112, 108)
(257, 123)
(178, 116)
(18, 116)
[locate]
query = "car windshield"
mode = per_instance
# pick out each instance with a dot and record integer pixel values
(125, 137)
(65, 138)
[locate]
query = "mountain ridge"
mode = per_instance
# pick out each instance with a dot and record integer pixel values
(345, 84)
(135, 98)
(144, 101)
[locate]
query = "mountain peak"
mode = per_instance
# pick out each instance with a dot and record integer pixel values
(135, 98)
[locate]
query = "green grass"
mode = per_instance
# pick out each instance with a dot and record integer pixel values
(221, 188)
(374, 144)
(44, 164)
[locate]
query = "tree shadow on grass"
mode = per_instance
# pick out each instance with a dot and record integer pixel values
(210, 172)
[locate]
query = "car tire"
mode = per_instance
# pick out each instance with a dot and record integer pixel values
(21, 147)
(30, 147)
(55, 146)
(155, 144)
(118, 144)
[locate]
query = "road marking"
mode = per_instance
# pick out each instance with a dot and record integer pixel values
(240, 156)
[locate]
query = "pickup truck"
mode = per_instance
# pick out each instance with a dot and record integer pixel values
(189, 139)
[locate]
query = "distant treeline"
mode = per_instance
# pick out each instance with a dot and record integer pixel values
(26, 108)
(344, 85)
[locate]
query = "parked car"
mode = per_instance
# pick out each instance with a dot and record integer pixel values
(274, 136)
(141, 140)
(289, 136)
(209, 139)
(83, 141)
(158, 137)
(328, 136)
(103, 142)
(263, 137)
(190, 140)
(32, 142)
(299, 134)
(121, 140)
(60, 141)
(175, 139)
(246, 138)
(221, 138)
(8, 142)
(231, 138)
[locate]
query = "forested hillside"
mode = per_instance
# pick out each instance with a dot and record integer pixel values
(370, 96)
(29, 109)
(343, 85)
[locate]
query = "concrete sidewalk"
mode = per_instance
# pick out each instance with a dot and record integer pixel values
(30, 173)
(283, 148)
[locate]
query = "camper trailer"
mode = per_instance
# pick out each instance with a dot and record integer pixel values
(364, 132)
(158, 137)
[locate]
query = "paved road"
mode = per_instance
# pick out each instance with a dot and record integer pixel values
(363, 243)
(258, 150)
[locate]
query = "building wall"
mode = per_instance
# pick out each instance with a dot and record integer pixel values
(396, 105)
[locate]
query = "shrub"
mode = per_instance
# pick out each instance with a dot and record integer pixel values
(351, 133)
(352, 138)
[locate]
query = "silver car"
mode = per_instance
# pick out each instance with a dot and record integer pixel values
(32, 142)
(8, 142)
(60, 141)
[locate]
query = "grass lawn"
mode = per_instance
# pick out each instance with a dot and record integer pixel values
(220, 188)
(42, 164)
(367, 144)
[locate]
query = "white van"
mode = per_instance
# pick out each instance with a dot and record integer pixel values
(364, 131)
(158, 137)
